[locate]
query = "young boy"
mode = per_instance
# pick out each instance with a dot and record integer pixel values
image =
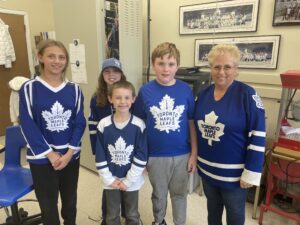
(121, 155)
(167, 106)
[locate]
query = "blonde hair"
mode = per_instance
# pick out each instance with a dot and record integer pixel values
(222, 49)
(50, 43)
(164, 49)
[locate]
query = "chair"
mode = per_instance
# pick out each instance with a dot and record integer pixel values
(286, 171)
(15, 180)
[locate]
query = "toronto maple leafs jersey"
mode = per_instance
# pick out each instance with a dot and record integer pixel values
(51, 118)
(96, 114)
(167, 111)
(231, 136)
(121, 153)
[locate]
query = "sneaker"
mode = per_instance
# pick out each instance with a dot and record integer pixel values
(123, 221)
(162, 223)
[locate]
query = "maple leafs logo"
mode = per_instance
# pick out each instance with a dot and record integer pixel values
(167, 117)
(120, 154)
(258, 101)
(210, 129)
(57, 119)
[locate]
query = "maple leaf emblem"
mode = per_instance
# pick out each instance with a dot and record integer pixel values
(167, 117)
(258, 101)
(210, 129)
(120, 154)
(57, 119)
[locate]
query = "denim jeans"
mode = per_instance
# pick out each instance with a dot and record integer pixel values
(234, 201)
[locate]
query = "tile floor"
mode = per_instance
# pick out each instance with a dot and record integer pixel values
(89, 198)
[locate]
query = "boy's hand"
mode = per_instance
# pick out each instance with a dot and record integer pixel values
(192, 164)
(115, 184)
(122, 186)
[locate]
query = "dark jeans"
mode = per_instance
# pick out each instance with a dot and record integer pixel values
(113, 201)
(48, 184)
(234, 200)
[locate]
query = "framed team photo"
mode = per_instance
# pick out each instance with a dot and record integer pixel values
(257, 52)
(286, 13)
(219, 17)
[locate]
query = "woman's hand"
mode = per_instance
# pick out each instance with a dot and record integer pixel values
(244, 184)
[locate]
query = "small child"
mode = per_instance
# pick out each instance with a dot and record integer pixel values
(121, 155)
(167, 106)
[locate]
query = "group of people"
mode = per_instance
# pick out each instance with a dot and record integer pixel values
(162, 132)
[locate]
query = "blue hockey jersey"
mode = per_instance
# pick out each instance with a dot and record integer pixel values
(51, 118)
(96, 114)
(167, 111)
(231, 136)
(121, 153)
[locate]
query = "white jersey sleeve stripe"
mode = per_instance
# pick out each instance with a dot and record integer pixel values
(256, 148)
(217, 177)
(101, 164)
(220, 165)
(28, 100)
(257, 133)
(139, 161)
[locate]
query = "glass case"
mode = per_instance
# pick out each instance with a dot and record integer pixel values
(288, 126)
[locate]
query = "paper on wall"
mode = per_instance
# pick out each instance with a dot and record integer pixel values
(78, 63)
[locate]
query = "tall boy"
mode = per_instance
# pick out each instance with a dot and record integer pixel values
(121, 155)
(167, 106)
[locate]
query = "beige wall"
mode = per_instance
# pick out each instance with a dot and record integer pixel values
(40, 14)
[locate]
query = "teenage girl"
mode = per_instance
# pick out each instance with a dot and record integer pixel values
(52, 121)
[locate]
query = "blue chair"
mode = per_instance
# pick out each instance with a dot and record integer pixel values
(15, 180)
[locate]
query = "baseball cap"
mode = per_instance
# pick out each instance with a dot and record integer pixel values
(111, 62)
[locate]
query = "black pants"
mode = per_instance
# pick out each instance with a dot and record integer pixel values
(48, 184)
(113, 201)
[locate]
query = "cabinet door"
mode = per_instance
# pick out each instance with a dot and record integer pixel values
(19, 68)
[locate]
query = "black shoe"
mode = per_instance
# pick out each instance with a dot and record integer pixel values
(103, 222)
(162, 223)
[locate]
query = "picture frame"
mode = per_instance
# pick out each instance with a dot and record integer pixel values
(257, 52)
(219, 17)
(286, 13)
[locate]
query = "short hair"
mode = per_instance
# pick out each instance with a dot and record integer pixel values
(121, 84)
(50, 43)
(222, 49)
(164, 49)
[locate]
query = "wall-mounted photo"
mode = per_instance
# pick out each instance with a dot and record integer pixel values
(218, 17)
(286, 12)
(256, 51)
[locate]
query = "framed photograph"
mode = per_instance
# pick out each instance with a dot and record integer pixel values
(286, 12)
(259, 52)
(218, 17)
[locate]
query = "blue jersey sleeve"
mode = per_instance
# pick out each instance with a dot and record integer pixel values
(101, 159)
(140, 155)
(93, 122)
(32, 133)
(79, 122)
(139, 107)
(256, 142)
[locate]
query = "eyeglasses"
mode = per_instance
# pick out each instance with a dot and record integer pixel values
(226, 68)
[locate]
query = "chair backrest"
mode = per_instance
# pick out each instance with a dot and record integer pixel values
(14, 142)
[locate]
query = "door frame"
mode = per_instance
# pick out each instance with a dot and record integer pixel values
(27, 33)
